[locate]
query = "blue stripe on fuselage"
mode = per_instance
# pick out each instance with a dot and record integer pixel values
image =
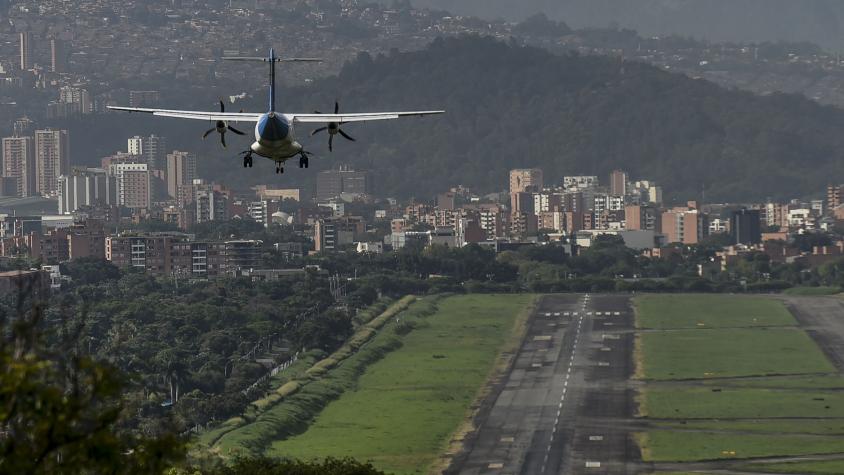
(273, 128)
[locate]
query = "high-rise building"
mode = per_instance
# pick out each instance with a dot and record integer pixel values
(330, 233)
(211, 205)
(152, 148)
(19, 163)
(522, 202)
(52, 159)
(133, 184)
(181, 171)
(642, 218)
(78, 97)
(58, 56)
(25, 51)
(23, 126)
(833, 196)
(86, 187)
(618, 182)
(745, 227)
(684, 225)
(333, 183)
(525, 180)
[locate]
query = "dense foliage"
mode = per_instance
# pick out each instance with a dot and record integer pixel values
(61, 409)
(199, 343)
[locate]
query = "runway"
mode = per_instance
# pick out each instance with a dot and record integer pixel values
(566, 405)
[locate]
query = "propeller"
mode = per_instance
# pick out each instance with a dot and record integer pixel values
(222, 126)
(333, 129)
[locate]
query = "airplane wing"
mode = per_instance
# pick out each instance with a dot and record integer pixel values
(358, 117)
(197, 115)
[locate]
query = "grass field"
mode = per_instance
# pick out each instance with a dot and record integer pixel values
(709, 311)
(291, 407)
(780, 426)
(733, 377)
(680, 446)
(732, 403)
(407, 405)
(722, 353)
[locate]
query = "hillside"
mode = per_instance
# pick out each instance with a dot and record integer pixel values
(817, 21)
(511, 107)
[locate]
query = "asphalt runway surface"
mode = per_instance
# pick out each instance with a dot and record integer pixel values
(566, 403)
(823, 319)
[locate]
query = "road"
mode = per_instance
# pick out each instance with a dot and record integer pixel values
(566, 405)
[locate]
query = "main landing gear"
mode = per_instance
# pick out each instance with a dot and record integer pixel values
(279, 168)
(247, 159)
(303, 160)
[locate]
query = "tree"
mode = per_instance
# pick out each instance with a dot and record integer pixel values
(60, 409)
(90, 270)
(270, 466)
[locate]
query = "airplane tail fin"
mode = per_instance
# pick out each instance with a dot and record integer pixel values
(272, 59)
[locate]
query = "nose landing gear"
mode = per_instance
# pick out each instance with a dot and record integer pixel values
(279, 168)
(247, 159)
(303, 160)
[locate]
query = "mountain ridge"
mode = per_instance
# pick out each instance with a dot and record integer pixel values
(817, 21)
(510, 106)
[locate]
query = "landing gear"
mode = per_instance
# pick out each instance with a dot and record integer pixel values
(279, 168)
(247, 159)
(303, 161)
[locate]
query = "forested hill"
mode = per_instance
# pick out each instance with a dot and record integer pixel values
(510, 106)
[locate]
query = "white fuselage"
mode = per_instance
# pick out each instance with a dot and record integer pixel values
(274, 138)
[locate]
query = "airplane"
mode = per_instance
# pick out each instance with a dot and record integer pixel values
(274, 131)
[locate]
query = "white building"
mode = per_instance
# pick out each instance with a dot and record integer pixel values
(580, 182)
(258, 211)
(86, 187)
(801, 218)
(718, 225)
(370, 247)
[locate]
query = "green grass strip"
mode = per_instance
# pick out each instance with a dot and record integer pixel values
(678, 446)
(406, 407)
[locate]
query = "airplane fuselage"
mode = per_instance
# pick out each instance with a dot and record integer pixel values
(274, 138)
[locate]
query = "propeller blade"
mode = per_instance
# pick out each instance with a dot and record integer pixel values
(223, 140)
(318, 131)
(330, 143)
(336, 107)
(236, 131)
(208, 132)
(317, 112)
(222, 106)
(346, 136)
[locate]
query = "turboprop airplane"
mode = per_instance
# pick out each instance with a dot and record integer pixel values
(274, 131)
